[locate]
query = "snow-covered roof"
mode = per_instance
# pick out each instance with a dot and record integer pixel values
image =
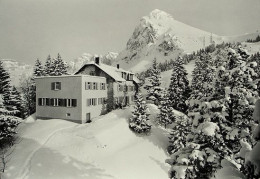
(114, 72)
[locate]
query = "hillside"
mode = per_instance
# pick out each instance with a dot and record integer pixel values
(105, 148)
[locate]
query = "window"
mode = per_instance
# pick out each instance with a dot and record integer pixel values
(101, 101)
(120, 88)
(102, 86)
(69, 103)
(95, 86)
(88, 85)
(56, 86)
(60, 102)
(131, 77)
(74, 102)
(48, 102)
(41, 101)
(57, 102)
(54, 102)
(92, 102)
(68, 114)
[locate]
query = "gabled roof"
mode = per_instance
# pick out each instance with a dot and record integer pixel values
(113, 72)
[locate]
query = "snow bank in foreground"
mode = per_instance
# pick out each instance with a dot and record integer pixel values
(105, 148)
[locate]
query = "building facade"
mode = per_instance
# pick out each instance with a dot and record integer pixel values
(121, 84)
(94, 90)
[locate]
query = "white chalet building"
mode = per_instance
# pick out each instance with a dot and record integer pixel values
(93, 90)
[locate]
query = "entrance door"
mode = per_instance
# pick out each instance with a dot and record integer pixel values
(88, 118)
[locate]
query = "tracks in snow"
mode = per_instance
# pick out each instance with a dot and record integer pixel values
(27, 164)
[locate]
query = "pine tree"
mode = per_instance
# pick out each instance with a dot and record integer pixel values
(202, 86)
(28, 88)
(201, 153)
(179, 133)
(60, 67)
(3, 110)
(237, 91)
(251, 166)
(38, 68)
(8, 127)
(4, 79)
(166, 115)
(12, 101)
(179, 86)
(154, 90)
(138, 121)
(49, 67)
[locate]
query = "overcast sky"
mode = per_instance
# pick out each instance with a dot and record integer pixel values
(31, 29)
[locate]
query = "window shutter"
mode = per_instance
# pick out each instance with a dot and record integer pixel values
(52, 86)
(52, 102)
(74, 102)
(87, 102)
(97, 86)
(59, 85)
(39, 101)
(47, 101)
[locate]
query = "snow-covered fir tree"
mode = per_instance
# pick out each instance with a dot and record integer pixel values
(38, 68)
(59, 66)
(4, 79)
(205, 145)
(252, 158)
(237, 90)
(204, 149)
(3, 110)
(179, 133)
(7, 130)
(13, 102)
(256, 59)
(48, 68)
(154, 88)
(166, 115)
(202, 86)
(179, 86)
(28, 89)
(138, 121)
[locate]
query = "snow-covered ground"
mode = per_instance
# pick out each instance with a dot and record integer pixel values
(105, 148)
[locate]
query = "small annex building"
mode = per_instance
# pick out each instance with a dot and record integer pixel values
(93, 90)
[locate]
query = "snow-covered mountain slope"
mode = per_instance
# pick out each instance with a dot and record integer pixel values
(105, 148)
(86, 57)
(162, 37)
(17, 70)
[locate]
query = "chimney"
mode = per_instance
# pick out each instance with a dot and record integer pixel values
(117, 66)
(97, 60)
